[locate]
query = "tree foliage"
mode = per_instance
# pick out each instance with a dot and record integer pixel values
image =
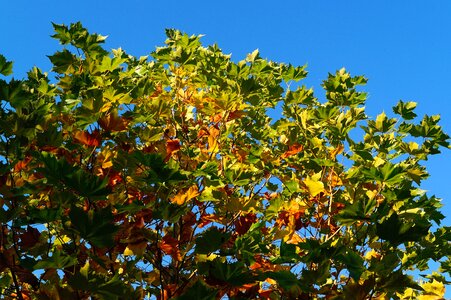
(125, 177)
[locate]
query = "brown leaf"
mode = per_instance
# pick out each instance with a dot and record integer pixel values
(89, 139)
(113, 122)
(170, 246)
(27, 276)
(171, 147)
(29, 238)
(136, 248)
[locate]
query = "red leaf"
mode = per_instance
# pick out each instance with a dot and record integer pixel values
(292, 150)
(243, 223)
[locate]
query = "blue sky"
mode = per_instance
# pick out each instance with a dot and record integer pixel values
(403, 47)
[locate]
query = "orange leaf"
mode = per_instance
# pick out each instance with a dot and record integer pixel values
(185, 195)
(208, 218)
(292, 150)
(88, 139)
(171, 147)
(22, 164)
(113, 122)
(114, 178)
(216, 118)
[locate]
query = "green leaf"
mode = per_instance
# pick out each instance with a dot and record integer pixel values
(97, 227)
(398, 231)
(58, 260)
(113, 288)
(199, 290)
(287, 280)
(351, 214)
(6, 67)
(405, 110)
(234, 274)
(43, 216)
(59, 172)
(63, 62)
(211, 240)
(353, 262)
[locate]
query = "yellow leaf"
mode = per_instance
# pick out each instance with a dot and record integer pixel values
(64, 239)
(128, 252)
(434, 290)
(372, 253)
(213, 134)
(378, 161)
(314, 186)
(206, 257)
(85, 269)
(185, 195)
(107, 160)
(189, 113)
(413, 146)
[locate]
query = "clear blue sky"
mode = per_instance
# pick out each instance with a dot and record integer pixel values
(403, 47)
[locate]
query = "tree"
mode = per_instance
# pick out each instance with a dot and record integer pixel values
(125, 177)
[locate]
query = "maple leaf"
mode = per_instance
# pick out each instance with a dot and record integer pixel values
(114, 178)
(170, 246)
(89, 139)
(243, 223)
(337, 151)
(184, 196)
(135, 249)
(30, 237)
(265, 294)
(213, 134)
(292, 150)
(172, 146)
(22, 164)
(235, 115)
(208, 218)
(113, 122)
(314, 185)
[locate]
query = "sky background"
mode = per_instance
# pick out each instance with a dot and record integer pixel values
(403, 47)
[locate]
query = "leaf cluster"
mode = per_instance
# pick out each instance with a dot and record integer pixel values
(166, 175)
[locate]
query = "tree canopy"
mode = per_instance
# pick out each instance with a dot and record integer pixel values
(171, 176)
